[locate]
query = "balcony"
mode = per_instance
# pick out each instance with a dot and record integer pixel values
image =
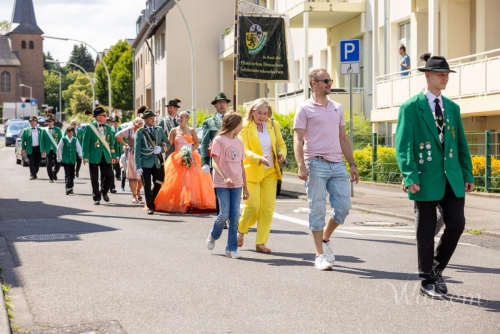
(475, 87)
(226, 44)
(322, 13)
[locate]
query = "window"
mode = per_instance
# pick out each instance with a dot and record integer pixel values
(405, 36)
(23, 45)
(32, 45)
(5, 86)
(310, 64)
(141, 62)
(162, 45)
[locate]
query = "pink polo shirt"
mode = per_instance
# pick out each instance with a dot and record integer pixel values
(231, 153)
(321, 126)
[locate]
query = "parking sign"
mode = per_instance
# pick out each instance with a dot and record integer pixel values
(349, 51)
(33, 102)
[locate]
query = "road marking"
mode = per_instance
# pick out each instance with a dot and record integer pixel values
(301, 210)
(302, 222)
(288, 201)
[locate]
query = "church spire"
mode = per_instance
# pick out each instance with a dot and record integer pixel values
(23, 18)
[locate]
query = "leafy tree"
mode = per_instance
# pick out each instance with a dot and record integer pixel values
(51, 66)
(81, 56)
(80, 100)
(51, 84)
(79, 83)
(4, 27)
(119, 57)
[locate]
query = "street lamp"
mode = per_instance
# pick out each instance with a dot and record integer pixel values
(100, 58)
(86, 73)
(31, 96)
(60, 76)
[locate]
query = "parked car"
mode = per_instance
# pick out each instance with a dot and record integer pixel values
(9, 121)
(23, 158)
(14, 130)
(42, 122)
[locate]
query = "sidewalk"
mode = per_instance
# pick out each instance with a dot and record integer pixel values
(481, 210)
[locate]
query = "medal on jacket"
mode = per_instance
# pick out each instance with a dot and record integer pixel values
(429, 158)
(97, 143)
(428, 145)
(421, 161)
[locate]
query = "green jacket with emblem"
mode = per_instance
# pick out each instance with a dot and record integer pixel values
(69, 151)
(27, 139)
(417, 139)
(46, 143)
(93, 149)
(211, 125)
(143, 149)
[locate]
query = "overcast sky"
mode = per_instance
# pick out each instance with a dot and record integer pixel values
(100, 23)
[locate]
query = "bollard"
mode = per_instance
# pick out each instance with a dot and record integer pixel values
(374, 156)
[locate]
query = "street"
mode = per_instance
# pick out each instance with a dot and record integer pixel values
(114, 269)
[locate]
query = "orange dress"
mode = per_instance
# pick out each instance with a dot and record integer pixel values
(185, 188)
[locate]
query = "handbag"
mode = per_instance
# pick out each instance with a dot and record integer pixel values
(284, 163)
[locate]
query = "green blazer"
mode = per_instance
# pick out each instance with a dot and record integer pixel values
(118, 146)
(93, 149)
(417, 135)
(143, 150)
(27, 140)
(46, 143)
(211, 125)
(166, 125)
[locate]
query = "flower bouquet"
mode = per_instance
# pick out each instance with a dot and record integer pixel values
(186, 154)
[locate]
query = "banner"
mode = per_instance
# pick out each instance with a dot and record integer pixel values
(262, 50)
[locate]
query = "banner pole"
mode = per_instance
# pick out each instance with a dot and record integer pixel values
(235, 60)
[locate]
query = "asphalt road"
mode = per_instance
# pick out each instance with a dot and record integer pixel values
(121, 271)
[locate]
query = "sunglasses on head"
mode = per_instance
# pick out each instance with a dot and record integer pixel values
(326, 81)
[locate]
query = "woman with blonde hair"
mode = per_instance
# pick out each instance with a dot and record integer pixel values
(264, 150)
(130, 171)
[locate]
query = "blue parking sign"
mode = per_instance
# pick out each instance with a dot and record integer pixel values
(33, 102)
(349, 51)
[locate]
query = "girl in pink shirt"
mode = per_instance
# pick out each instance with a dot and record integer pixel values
(229, 181)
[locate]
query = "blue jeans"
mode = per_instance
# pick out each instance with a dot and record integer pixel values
(229, 203)
(332, 177)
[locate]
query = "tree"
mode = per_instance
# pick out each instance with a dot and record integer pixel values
(4, 27)
(81, 56)
(79, 101)
(119, 56)
(79, 83)
(51, 66)
(51, 84)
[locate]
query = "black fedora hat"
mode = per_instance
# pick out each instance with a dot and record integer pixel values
(174, 103)
(220, 96)
(435, 64)
(98, 111)
(147, 114)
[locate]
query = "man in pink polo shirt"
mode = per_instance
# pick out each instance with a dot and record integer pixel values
(319, 124)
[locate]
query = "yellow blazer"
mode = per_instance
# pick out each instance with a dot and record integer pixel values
(253, 151)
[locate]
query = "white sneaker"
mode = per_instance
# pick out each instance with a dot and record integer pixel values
(328, 251)
(210, 242)
(233, 254)
(322, 263)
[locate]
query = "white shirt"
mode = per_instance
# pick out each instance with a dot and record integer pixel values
(266, 145)
(220, 116)
(61, 145)
(430, 98)
(34, 137)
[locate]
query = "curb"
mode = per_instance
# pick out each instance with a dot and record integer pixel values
(4, 318)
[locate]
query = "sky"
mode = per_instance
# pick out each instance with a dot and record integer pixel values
(99, 23)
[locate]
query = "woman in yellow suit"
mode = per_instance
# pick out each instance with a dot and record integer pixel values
(264, 150)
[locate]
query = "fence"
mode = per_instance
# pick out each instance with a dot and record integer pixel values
(377, 161)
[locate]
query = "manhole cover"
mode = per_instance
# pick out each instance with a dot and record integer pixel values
(47, 237)
(380, 224)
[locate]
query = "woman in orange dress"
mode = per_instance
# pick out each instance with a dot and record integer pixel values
(185, 187)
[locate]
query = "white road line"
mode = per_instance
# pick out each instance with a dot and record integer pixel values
(302, 222)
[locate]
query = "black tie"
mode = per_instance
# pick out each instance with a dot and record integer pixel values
(101, 125)
(150, 130)
(33, 128)
(439, 119)
(175, 122)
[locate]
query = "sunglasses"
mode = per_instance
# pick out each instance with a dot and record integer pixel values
(326, 81)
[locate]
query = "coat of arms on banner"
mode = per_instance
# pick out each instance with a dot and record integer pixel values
(256, 39)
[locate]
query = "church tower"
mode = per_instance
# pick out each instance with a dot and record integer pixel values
(27, 42)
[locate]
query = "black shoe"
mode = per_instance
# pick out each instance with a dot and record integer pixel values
(77, 175)
(118, 178)
(97, 202)
(32, 178)
(431, 291)
(55, 177)
(150, 212)
(68, 191)
(441, 286)
(113, 191)
(51, 181)
(105, 197)
(71, 191)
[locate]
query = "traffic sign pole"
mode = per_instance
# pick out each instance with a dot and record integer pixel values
(351, 125)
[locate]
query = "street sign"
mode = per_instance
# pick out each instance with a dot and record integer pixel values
(23, 105)
(349, 51)
(23, 99)
(33, 102)
(349, 68)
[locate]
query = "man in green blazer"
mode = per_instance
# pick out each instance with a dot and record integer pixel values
(433, 155)
(51, 136)
(149, 146)
(170, 121)
(30, 144)
(78, 135)
(211, 125)
(99, 151)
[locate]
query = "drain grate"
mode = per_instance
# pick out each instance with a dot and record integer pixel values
(380, 224)
(47, 237)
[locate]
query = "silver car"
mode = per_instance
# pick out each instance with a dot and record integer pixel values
(14, 130)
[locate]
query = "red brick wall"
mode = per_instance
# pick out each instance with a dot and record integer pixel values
(14, 85)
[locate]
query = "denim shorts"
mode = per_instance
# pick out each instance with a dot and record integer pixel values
(328, 177)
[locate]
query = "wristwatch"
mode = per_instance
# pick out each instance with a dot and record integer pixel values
(353, 164)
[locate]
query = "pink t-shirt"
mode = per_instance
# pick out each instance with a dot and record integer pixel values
(231, 154)
(321, 124)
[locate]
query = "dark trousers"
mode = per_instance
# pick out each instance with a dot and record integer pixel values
(112, 186)
(52, 165)
(123, 179)
(432, 263)
(78, 164)
(117, 170)
(35, 158)
(69, 174)
(107, 174)
(158, 175)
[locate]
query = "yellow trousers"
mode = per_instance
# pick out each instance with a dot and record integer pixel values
(259, 207)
